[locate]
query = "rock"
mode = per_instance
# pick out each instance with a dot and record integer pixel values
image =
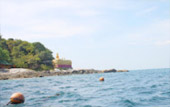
(84, 71)
(122, 71)
(19, 70)
(5, 78)
(108, 71)
(41, 76)
(4, 70)
(27, 73)
(75, 71)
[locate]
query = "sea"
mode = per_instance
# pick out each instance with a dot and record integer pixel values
(136, 88)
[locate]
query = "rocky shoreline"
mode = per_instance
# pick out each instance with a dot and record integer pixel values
(15, 73)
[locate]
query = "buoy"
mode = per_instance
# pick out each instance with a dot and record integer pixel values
(101, 79)
(17, 98)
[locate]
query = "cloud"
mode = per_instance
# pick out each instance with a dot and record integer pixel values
(63, 18)
(146, 11)
(151, 33)
(32, 19)
(163, 43)
(53, 29)
(54, 18)
(32, 7)
(88, 12)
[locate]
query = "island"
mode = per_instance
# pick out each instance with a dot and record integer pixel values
(22, 59)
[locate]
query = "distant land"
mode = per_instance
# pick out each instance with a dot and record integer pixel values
(150, 69)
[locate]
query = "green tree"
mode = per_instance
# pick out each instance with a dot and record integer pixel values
(3, 44)
(46, 59)
(26, 55)
(45, 56)
(38, 47)
(4, 55)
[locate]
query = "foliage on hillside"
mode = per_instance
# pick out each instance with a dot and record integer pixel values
(23, 54)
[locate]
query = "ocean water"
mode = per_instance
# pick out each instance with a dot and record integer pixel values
(137, 88)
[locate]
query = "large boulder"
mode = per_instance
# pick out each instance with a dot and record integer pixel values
(75, 72)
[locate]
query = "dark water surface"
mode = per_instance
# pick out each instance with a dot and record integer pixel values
(137, 88)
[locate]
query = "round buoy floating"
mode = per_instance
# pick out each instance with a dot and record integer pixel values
(101, 79)
(17, 98)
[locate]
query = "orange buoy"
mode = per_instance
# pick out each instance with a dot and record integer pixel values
(101, 79)
(17, 98)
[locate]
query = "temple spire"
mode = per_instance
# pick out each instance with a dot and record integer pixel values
(57, 56)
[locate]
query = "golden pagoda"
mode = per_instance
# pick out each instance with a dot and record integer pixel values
(62, 63)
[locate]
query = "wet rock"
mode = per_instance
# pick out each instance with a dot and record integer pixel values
(75, 71)
(41, 76)
(5, 78)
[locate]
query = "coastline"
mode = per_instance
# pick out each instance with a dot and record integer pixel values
(14, 73)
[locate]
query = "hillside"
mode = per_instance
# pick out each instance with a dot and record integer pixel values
(23, 54)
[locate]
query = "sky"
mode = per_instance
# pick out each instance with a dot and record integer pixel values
(94, 34)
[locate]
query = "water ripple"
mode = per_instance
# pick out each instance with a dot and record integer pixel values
(147, 88)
